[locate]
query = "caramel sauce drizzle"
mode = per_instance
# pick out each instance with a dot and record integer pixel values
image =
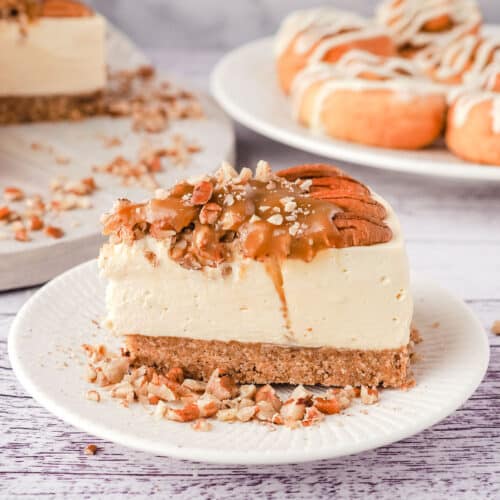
(293, 215)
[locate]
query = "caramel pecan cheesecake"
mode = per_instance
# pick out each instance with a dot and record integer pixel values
(52, 60)
(297, 277)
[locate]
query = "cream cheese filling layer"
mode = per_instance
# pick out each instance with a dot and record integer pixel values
(354, 298)
(56, 56)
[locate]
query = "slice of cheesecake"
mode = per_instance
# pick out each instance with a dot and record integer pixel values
(52, 60)
(299, 277)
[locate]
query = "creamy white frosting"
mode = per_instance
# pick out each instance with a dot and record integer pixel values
(406, 19)
(324, 27)
(347, 74)
(56, 56)
(355, 297)
(464, 103)
(472, 56)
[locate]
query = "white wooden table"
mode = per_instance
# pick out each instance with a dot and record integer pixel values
(453, 234)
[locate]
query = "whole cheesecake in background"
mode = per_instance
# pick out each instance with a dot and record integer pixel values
(52, 60)
(294, 277)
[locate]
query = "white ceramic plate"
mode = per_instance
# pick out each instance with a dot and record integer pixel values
(25, 264)
(44, 350)
(244, 83)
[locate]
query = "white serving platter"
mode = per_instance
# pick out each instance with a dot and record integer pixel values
(244, 83)
(45, 352)
(26, 264)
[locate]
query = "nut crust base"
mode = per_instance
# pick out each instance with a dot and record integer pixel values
(49, 108)
(262, 363)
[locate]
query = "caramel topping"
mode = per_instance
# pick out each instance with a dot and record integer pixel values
(64, 8)
(33, 9)
(295, 214)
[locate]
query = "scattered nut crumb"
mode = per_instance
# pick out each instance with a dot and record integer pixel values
(142, 171)
(67, 195)
(93, 396)
(369, 395)
(495, 328)
(62, 160)
(4, 212)
(54, 232)
(112, 141)
(13, 194)
(151, 104)
(91, 449)
(22, 235)
(35, 223)
(201, 425)
(186, 400)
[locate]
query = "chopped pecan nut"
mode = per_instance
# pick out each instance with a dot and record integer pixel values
(369, 395)
(248, 391)
(35, 223)
(328, 406)
(210, 213)
(13, 194)
(93, 396)
(202, 193)
(186, 414)
(194, 385)
(312, 416)
(301, 394)
(495, 328)
(21, 234)
(292, 410)
(90, 449)
(4, 212)
(268, 394)
(266, 411)
(54, 232)
(201, 425)
(208, 405)
(228, 415)
(175, 374)
(221, 386)
(247, 413)
(162, 392)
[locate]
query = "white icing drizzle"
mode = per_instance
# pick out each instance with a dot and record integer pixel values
(487, 79)
(406, 19)
(330, 26)
(396, 74)
(470, 57)
(465, 102)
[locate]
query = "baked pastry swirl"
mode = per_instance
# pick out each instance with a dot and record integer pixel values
(473, 125)
(473, 122)
(324, 34)
(385, 102)
(472, 60)
(428, 25)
